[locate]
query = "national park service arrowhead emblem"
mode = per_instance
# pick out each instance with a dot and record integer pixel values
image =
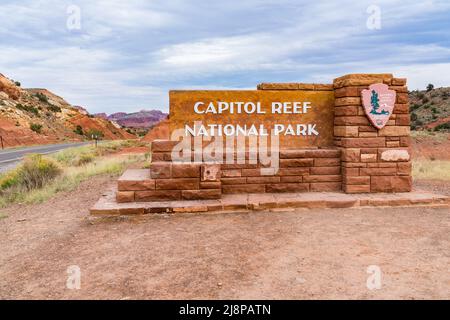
(378, 102)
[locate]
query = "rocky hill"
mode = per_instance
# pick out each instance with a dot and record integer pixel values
(38, 116)
(430, 109)
(141, 119)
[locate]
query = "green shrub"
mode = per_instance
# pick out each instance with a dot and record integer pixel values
(36, 127)
(413, 116)
(85, 158)
(33, 173)
(414, 107)
(434, 110)
(442, 126)
(78, 130)
(36, 171)
(42, 97)
(17, 83)
(425, 100)
(27, 108)
(430, 87)
(9, 179)
(53, 108)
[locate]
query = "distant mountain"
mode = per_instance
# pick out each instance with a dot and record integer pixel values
(430, 109)
(141, 119)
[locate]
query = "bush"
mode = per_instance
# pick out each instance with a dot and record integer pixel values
(53, 108)
(33, 173)
(442, 126)
(414, 107)
(85, 158)
(36, 127)
(17, 83)
(425, 100)
(42, 97)
(413, 116)
(430, 87)
(78, 130)
(36, 171)
(27, 108)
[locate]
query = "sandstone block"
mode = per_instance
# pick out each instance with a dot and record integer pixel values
(211, 172)
(289, 163)
(287, 187)
(350, 188)
(325, 187)
(327, 162)
(245, 188)
(363, 142)
(232, 173)
(293, 171)
(163, 145)
(377, 171)
(185, 170)
(322, 178)
(346, 111)
(351, 154)
(351, 121)
(358, 180)
(124, 196)
(398, 81)
(391, 184)
(401, 108)
(263, 179)
(395, 155)
(236, 180)
(157, 195)
(347, 92)
(347, 101)
(210, 184)
(402, 98)
(178, 184)
(368, 157)
(404, 168)
(393, 131)
(291, 179)
(346, 131)
(201, 194)
(325, 170)
(160, 170)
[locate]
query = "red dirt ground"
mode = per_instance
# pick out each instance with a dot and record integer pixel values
(297, 254)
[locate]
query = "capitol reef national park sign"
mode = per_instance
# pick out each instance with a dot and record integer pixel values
(348, 136)
(299, 118)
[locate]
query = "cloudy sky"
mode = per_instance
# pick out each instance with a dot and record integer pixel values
(126, 55)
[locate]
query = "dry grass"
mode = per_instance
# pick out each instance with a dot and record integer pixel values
(75, 165)
(429, 169)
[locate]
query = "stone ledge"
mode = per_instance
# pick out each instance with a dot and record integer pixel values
(107, 204)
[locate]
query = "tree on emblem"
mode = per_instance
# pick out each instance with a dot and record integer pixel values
(374, 102)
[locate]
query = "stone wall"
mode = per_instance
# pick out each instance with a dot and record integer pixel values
(372, 160)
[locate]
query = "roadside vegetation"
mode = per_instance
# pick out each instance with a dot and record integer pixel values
(431, 169)
(39, 177)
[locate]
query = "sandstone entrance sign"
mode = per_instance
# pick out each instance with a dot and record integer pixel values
(301, 118)
(348, 137)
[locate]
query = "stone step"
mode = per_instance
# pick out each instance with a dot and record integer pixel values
(135, 180)
(107, 204)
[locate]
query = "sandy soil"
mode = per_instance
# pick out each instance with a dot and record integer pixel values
(301, 254)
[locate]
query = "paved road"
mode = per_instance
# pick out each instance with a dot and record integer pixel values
(10, 157)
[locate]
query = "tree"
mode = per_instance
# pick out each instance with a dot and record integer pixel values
(374, 102)
(430, 87)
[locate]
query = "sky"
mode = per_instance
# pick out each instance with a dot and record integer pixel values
(112, 56)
